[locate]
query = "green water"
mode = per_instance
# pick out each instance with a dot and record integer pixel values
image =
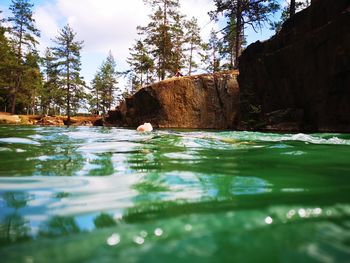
(115, 195)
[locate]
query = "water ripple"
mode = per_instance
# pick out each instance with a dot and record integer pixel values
(192, 195)
(16, 140)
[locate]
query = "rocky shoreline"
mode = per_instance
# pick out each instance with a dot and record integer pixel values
(8, 119)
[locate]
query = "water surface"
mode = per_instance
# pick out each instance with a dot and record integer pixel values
(114, 195)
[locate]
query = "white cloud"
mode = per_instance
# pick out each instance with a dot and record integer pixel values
(199, 9)
(46, 22)
(107, 24)
(104, 24)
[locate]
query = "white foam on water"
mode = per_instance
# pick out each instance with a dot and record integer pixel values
(315, 140)
(19, 140)
(295, 153)
(102, 147)
(4, 149)
(275, 137)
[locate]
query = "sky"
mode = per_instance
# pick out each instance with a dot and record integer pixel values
(110, 25)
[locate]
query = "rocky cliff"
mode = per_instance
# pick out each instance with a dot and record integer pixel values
(300, 78)
(208, 101)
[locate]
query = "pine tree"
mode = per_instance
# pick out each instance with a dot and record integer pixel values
(161, 35)
(23, 36)
(292, 8)
(213, 48)
(141, 63)
(67, 57)
(8, 67)
(95, 93)
(109, 78)
(51, 95)
(287, 12)
(178, 40)
(32, 79)
(104, 86)
(244, 12)
(194, 43)
(134, 85)
(228, 44)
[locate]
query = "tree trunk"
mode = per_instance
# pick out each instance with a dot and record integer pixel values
(292, 8)
(19, 76)
(68, 94)
(232, 49)
(110, 91)
(190, 66)
(141, 79)
(165, 38)
(15, 90)
(159, 69)
(13, 106)
(232, 52)
(238, 32)
(214, 59)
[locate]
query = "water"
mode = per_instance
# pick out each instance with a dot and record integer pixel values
(115, 195)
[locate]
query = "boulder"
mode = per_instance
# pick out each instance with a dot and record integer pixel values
(300, 78)
(6, 118)
(207, 101)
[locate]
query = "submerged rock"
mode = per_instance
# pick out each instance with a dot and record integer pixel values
(208, 101)
(300, 78)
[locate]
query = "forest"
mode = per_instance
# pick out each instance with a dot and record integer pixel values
(51, 83)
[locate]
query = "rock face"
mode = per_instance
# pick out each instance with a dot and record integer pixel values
(209, 101)
(300, 78)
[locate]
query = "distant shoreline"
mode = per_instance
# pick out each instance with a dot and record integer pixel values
(45, 120)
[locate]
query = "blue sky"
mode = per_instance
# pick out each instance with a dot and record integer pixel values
(106, 25)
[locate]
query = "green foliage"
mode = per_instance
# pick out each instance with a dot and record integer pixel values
(229, 43)
(59, 226)
(134, 85)
(212, 58)
(51, 95)
(104, 220)
(104, 86)
(141, 63)
(23, 31)
(14, 228)
(193, 42)
(241, 13)
(251, 109)
(23, 40)
(169, 43)
(32, 79)
(163, 36)
(178, 56)
(299, 5)
(8, 65)
(66, 56)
